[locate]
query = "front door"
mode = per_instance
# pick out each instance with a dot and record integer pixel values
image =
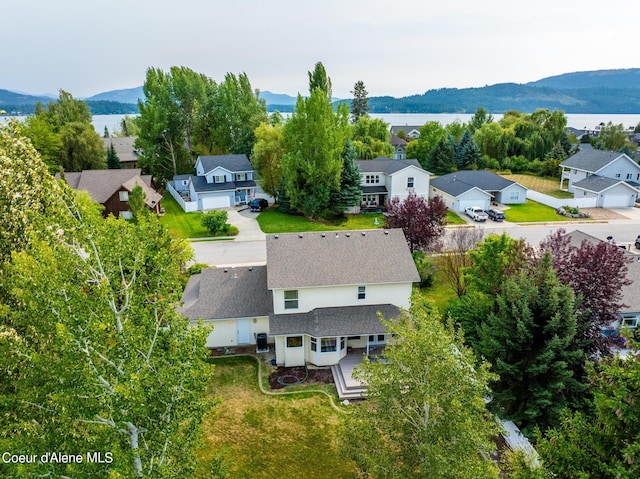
(244, 331)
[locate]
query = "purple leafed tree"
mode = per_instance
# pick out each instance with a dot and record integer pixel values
(422, 220)
(597, 273)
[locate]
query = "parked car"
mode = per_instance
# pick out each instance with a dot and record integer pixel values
(476, 213)
(259, 204)
(638, 242)
(495, 215)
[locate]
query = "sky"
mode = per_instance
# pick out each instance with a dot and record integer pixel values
(396, 48)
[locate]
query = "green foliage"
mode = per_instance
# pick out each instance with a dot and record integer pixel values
(350, 192)
(136, 202)
(612, 137)
(214, 220)
(467, 152)
(479, 118)
(359, 103)
(529, 340)
(426, 268)
(371, 138)
(315, 138)
(415, 424)
(268, 152)
(93, 354)
(430, 134)
(518, 465)
(113, 161)
(442, 158)
(469, 312)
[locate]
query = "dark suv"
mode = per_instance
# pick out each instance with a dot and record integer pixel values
(495, 215)
(259, 204)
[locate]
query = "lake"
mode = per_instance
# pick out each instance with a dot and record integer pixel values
(577, 120)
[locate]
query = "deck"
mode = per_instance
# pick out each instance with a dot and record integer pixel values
(347, 386)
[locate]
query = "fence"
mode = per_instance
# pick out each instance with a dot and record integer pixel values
(558, 202)
(187, 206)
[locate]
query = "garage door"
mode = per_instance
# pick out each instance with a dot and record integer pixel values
(210, 202)
(484, 204)
(615, 201)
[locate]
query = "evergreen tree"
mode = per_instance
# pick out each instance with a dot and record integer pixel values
(442, 158)
(113, 161)
(360, 101)
(529, 340)
(350, 193)
(467, 152)
(106, 132)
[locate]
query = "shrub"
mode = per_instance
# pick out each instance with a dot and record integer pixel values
(230, 230)
(426, 269)
(214, 220)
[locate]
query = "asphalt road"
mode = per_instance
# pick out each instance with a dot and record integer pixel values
(251, 249)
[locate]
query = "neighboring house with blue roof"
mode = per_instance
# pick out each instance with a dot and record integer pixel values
(384, 178)
(221, 181)
(610, 177)
(468, 188)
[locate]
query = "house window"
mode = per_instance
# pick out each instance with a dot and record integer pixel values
(343, 343)
(124, 195)
(514, 195)
(328, 345)
(219, 179)
(294, 341)
(376, 338)
(241, 177)
(291, 299)
(127, 215)
(372, 179)
(410, 182)
(629, 321)
(617, 175)
(362, 292)
(629, 176)
(314, 344)
(638, 177)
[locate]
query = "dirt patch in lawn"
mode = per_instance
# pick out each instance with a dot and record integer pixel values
(284, 377)
(603, 214)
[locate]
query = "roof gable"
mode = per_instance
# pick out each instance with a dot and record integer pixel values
(592, 160)
(102, 184)
(302, 260)
(462, 181)
(387, 166)
(232, 163)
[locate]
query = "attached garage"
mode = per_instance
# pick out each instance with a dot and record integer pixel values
(617, 201)
(610, 193)
(211, 202)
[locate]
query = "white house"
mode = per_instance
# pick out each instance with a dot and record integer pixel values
(466, 188)
(410, 131)
(235, 301)
(610, 176)
(384, 178)
(319, 296)
(328, 289)
(220, 181)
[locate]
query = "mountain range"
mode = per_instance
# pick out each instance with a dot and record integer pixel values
(601, 91)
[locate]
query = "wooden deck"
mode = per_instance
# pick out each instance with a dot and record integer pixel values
(347, 386)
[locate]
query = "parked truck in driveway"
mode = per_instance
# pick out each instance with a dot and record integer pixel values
(476, 213)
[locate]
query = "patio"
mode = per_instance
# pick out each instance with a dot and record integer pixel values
(347, 386)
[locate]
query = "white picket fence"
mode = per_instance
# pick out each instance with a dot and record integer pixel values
(187, 206)
(558, 202)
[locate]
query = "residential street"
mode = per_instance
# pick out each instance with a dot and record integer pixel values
(249, 246)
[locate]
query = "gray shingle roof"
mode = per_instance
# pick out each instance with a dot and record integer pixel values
(200, 185)
(214, 294)
(102, 184)
(385, 165)
(462, 181)
(339, 258)
(395, 129)
(344, 321)
(123, 146)
(230, 162)
(597, 183)
(591, 160)
(630, 293)
(371, 190)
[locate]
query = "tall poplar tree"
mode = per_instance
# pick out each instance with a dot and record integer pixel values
(315, 137)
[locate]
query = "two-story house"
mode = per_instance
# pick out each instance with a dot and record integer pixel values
(383, 178)
(610, 177)
(125, 150)
(111, 188)
(220, 181)
(319, 296)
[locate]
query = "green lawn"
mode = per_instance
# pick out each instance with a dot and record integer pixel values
(273, 220)
(181, 224)
(271, 436)
(440, 293)
(454, 218)
(532, 211)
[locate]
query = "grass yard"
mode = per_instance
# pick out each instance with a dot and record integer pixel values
(270, 436)
(546, 185)
(454, 219)
(531, 212)
(440, 293)
(181, 224)
(273, 220)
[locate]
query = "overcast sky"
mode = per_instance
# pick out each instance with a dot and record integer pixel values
(397, 48)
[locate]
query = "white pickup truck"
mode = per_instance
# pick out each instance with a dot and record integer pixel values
(476, 213)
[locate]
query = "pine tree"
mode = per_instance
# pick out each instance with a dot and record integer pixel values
(360, 101)
(467, 152)
(350, 193)
(113, 161)
(442, 158)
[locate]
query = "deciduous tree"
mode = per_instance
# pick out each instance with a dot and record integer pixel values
(455, 260)
(425, 415)
(423, 221)
(371, 138)
(267, 156)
